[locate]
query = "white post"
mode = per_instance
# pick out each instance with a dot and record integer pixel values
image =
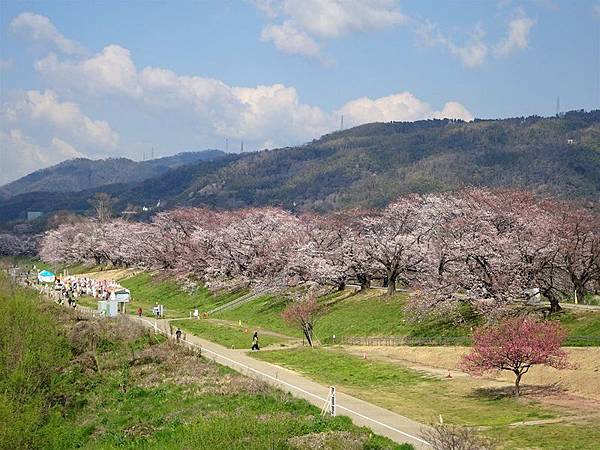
(332, 401)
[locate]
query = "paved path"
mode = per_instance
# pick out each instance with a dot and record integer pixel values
(382, 421)
(398, 428)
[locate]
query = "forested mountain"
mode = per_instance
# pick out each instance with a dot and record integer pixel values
(82, 173)
(369, 165)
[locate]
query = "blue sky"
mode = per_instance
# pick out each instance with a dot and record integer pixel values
(113, 78)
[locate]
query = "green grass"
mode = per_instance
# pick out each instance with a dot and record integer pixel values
(329, 366)
(264, 312)
(557, 436)
(147, 290)
(411, 393)
(146, 393)
(580, 324)
(345, 314)
(229, 336)
(376, 314)
(373, 314)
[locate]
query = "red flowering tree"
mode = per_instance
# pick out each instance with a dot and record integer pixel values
(516, 344)
(302, 312)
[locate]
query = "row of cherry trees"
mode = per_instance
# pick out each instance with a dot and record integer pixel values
(14, 245)
(481, 246)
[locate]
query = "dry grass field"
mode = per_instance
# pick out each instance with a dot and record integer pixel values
(583, 381)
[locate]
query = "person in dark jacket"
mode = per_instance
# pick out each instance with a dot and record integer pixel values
(255, 341)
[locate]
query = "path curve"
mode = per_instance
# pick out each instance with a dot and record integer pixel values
(382, 421)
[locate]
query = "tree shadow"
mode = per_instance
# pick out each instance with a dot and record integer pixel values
(527, 390)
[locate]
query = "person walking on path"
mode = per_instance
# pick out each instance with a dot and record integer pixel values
(139, 312)
(255, 341)
(178, 335)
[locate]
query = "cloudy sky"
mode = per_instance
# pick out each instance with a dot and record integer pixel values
(113, 78)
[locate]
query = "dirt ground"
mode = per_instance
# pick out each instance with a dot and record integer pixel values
(582, 383)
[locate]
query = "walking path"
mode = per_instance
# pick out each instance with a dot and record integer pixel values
(386, 423)
(396, 427)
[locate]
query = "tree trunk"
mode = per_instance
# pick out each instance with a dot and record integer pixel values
(391, 287)
(554, 302)
(580, 290)
(307, 329)
(554, 306)
(518, 384)
(365, 281)
(341, 286)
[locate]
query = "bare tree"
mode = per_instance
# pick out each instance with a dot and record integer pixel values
(102, 204)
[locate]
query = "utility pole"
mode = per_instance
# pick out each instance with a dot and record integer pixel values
(242, 146)
(342, 122)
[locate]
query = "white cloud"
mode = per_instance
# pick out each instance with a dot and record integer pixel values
(472, 54)
(40, 28)
(110, 70)
(22, 155)
(64, 116)
(334, 18)
(305, 20)
(288, 39)
(517, 36)
(258, 114)
(269, 8)
(398, 107)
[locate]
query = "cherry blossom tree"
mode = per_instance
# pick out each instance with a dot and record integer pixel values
(13, 245)
(302, 312)
(319, 254)
(254, 244)
(516, 345)
(396, 239)
(473, 253)
(579, 247)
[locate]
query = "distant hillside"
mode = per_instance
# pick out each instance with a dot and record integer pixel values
(372, 164)
(81, 173)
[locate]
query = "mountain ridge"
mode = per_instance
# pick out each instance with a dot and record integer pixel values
(371, 165)
(79, 174)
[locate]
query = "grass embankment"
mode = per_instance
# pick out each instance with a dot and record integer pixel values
(424, 398)
(70, 383)
(345, 314)
(147, 290)
(228, 335)
(372, 314)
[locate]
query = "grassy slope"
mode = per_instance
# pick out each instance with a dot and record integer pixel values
(229, 336)
(146, 291)
(144, 394)
(346, 314)
(423, 398)
(375, 314)
(342, 314)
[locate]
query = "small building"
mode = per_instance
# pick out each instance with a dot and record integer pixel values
(571, 141)
(116, 303)
(32, 215)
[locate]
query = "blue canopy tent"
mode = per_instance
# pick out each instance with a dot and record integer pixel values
(46, 277)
